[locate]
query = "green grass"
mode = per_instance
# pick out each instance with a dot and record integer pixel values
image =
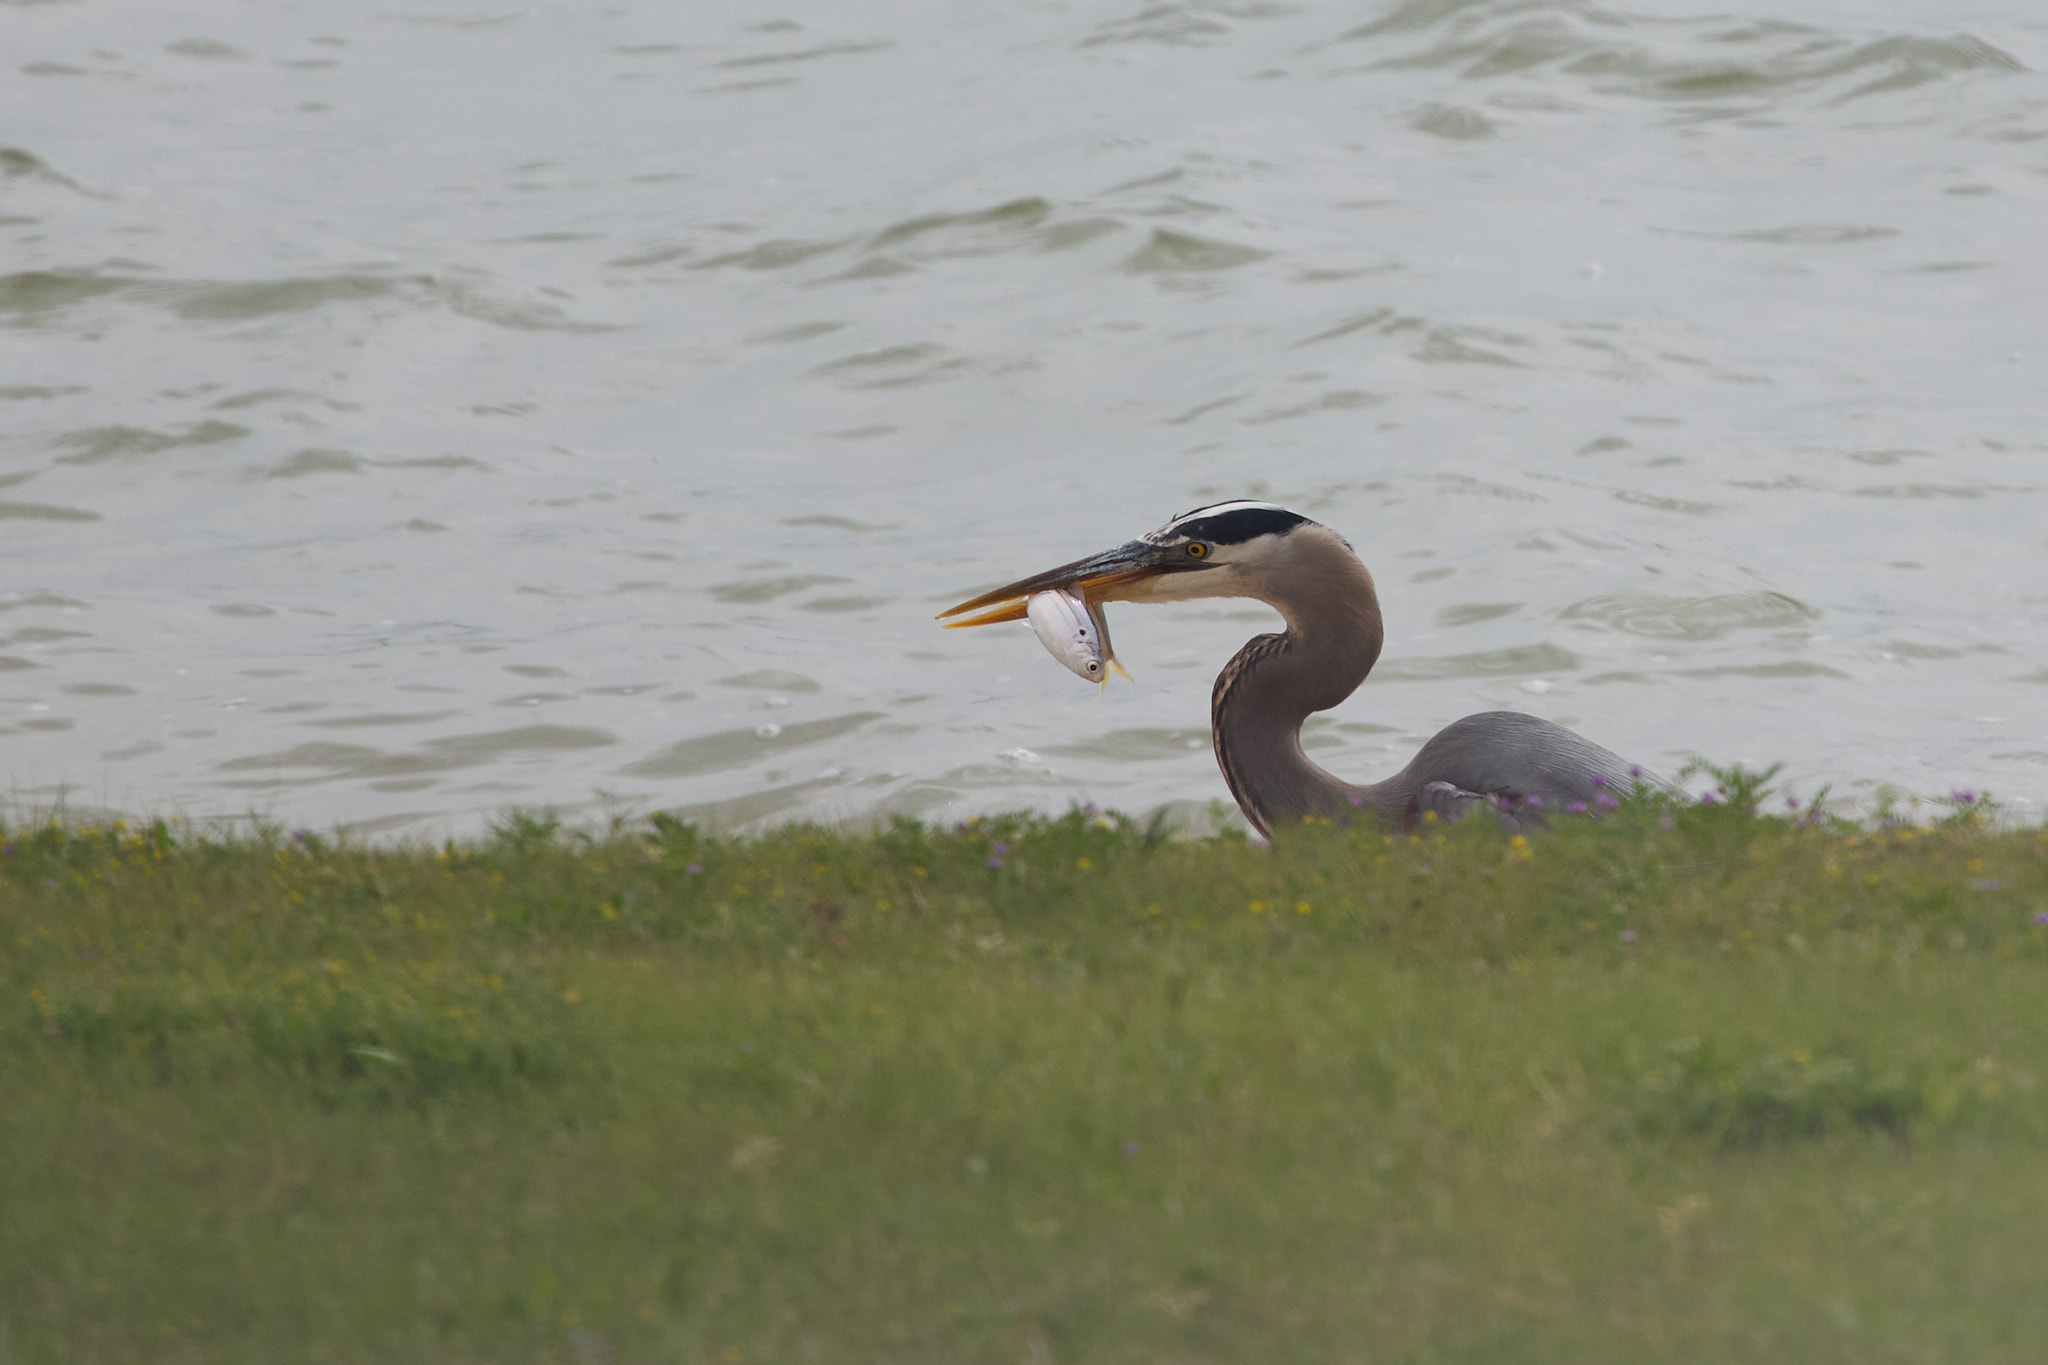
(1729, 1090)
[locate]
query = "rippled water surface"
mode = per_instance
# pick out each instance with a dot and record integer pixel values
(413, 411)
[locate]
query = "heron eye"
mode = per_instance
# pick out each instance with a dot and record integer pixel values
(1196, 549)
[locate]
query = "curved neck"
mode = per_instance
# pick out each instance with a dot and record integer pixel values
(1276, 682)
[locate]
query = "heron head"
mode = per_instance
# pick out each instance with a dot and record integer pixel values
(1221, 550)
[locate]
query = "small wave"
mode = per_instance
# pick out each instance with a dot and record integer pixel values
(19, 164)
(493, 744)
(244, 300)
(37, 297)
(1893, 650)
(1493, 663)
(839, 523)
(1790, 669)
(20, 393)
(97, 445)
(1464, 485)
(1172, 252)
(46, 600)
(1683, 506)
(44, 511)
(326, 761)
(1797, 234)
(1136, 745)
(206, 50)
(1691, 618)
(1375, 319)
(1336, 400)
(808, 54)
(1018, 216)
(738, 748)
(751, 590)
(1458, 346)
(843, 606)
(1453, 122)
(908, 366)
(304, 463)
(1184, 25)
(1030, 225)
(1704, 61)
(1922, 491)
(773, 680)
(31, 294)
(41, 635)
(754, 808)
(1473, 613)
(378, 719)
(773, 255)
(789, 336)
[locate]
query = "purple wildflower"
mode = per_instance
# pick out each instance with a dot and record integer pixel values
(1963, 797)
(2041, 917)
(1091, 810)
(999, 849)
(1635, 770)
(694, 869)
(1606, 802)
(1354, 798)
(1577, 808)
(1130, 1147)
(298, 836)
(993, 863)
(1791, 803)
(1532, 801)
(1599, 779)
(1628, 936)
(1707, 798)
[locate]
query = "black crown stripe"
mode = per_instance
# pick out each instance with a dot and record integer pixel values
(1236, 526)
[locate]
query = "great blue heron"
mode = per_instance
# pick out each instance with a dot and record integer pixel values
(1524, 767)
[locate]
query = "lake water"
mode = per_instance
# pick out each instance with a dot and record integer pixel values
(413, 411)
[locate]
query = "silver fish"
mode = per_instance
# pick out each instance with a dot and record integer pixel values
(1075, 631)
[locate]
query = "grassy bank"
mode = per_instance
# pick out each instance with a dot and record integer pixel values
(1039, 1090)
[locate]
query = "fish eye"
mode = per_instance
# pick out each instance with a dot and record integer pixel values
(1196, 549)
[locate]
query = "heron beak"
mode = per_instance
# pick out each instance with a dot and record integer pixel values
(1105, 577)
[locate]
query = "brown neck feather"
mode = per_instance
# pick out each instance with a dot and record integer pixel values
(1276, 682)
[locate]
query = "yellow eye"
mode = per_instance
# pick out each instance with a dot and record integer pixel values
(1196, 549)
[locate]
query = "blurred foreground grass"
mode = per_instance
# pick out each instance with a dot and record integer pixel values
(1731, 1089)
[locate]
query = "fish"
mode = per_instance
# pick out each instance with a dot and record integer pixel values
(1075, 631)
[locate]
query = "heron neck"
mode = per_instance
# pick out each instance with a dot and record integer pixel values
(1333, 637)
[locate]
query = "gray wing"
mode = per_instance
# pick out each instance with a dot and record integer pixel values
(1528, 767)
(1451, 803)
